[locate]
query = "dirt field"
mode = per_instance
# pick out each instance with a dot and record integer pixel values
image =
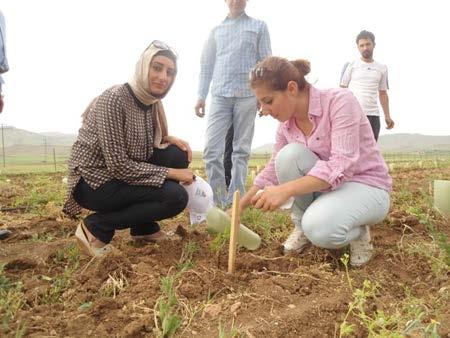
(181, 288)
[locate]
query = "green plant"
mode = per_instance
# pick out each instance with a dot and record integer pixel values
(20, 330)
(436, 257)
(219, 241)
(70, 255)
(185, 261)
(357, 307)
(231, 333)
(445, 246)
(270, 226)
(11, 299)
(5, 283)
(345, 259)
(421, 206)
(42, 237)
(411, 316)
(115, 284)
(417, 315)
(59, 284)
(73, 257)
(166, 304)
(85, 305)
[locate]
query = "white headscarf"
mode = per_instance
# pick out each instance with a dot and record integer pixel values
(140, 86)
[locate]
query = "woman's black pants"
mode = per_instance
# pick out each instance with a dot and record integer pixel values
(119, 205)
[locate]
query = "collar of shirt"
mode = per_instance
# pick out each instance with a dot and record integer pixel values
(314, 112)
(242, 16)
(315, 107)
(139, 103)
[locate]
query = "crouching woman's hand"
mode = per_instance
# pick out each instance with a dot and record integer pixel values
(183, 145)
(185, 176)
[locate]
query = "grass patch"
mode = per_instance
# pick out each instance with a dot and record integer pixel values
(42, 190)
(11, 300)
(70, 257)
(436, 257)
(411, 317)
(231, 332)
(186, 259)
(219, 242)
(271, 226)
(167, 305)
(420, 204)
(167, 316)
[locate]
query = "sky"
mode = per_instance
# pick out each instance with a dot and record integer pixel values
(62, 54)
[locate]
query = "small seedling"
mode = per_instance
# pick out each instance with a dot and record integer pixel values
(115, 284)
(166, 304)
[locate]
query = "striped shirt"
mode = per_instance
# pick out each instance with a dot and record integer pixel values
(342, 139)
(3, 60)
(231, 51)
(115, 142)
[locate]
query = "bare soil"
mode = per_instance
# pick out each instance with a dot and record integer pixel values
(271, 295)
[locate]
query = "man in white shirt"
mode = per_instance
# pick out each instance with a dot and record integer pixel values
(368, 80)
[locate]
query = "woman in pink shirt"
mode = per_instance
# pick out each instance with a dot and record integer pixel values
(325, 159)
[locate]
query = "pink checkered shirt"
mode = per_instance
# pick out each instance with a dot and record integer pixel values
(342, 139)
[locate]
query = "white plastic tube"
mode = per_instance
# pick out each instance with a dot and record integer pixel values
(442, 196)
(218, 221)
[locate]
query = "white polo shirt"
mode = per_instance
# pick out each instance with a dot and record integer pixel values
(365, 80)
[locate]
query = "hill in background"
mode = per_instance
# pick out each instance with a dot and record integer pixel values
(396, 143)
(19, 137)
(22, 141)
(413, 142)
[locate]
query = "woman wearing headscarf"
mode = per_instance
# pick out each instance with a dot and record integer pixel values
(124, 166)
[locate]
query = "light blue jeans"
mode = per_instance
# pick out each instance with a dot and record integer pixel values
(224, 112)
(331, 219)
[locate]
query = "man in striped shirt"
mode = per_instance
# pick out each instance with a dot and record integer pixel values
(3, 60)
(232, 49)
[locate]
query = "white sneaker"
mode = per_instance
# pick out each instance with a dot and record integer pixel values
(361, 249)
(296, 241)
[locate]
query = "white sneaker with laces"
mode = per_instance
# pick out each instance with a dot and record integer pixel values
(296, 241)
(361, 249)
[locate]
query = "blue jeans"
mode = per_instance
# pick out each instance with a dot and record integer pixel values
(240, 112)
(335, 218)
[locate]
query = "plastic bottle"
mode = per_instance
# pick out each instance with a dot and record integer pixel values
(218, 221)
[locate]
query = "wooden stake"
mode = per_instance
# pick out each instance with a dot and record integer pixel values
(233, 233)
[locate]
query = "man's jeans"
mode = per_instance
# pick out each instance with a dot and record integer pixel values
(224, 112)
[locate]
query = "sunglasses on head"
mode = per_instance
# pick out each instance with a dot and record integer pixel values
(162, 45)
(258, 72)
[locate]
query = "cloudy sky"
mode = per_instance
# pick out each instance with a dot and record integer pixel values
(64, 53)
